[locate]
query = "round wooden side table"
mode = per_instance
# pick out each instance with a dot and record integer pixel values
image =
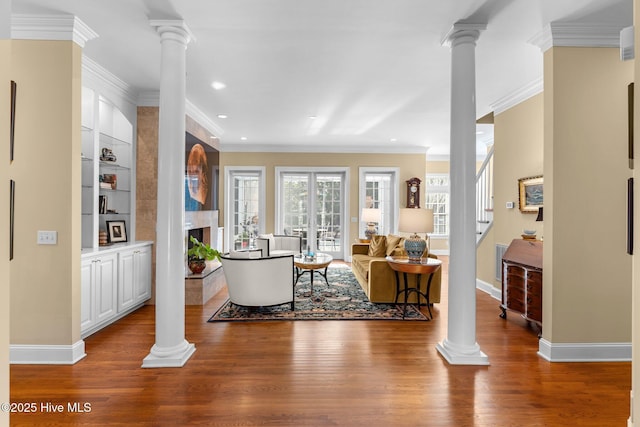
(404, 266)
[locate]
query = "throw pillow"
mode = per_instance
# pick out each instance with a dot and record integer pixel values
(392, 243)
(378, 246)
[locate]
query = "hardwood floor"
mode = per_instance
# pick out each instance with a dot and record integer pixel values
(324, 373)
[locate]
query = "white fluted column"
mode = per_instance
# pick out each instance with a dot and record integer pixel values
(171, 349)
(460, 346)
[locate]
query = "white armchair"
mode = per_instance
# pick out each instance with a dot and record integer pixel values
(276, 245)
(255, 282)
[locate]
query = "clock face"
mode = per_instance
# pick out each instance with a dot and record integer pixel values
(413, 188)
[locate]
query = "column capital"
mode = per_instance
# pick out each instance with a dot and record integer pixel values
(174, 29)
(463, 30)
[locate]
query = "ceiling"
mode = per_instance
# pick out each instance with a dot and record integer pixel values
(373, 73)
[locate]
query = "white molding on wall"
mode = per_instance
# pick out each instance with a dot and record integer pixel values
(51, 27)
(46, 354)
(96, 74)
(584, 352)
(321, 148)
(568, 34)
(196, 114)
(518, 96)
(488, 288)
(440, 252)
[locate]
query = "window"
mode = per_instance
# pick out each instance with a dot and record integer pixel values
(378, 189)
(244, 206)
(437, 198)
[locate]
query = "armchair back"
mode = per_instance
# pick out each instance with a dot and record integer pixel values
(255, 282)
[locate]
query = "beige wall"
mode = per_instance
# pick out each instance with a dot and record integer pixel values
(410, 165)
(45, 279)
(518, 153)
(5, 77)
(587, 273)
(635, 374)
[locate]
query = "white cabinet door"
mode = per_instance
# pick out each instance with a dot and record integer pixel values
(106, 289)
(143, 274)
(126, 279)
(87, 294)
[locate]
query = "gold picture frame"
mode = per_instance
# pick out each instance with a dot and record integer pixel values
(530, 194)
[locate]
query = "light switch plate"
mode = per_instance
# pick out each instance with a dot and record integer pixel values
(509, 205)
(47, 237)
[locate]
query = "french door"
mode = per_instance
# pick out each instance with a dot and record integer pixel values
(312, 204)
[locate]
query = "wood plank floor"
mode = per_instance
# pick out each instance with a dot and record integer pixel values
(324, 373)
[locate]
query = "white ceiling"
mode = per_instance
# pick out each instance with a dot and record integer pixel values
(369, 70)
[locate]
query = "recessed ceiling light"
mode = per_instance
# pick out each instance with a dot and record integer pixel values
(218, 85)
(313, 117)
(479, 132)
(243, 138)
(393, 140)
(222, 116)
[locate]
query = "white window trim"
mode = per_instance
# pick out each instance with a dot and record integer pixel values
(229, 171)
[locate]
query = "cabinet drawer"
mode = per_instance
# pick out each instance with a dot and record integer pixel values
(515, 300)
(515, 270)
(534, 288)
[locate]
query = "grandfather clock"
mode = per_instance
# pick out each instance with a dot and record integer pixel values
(413, 193)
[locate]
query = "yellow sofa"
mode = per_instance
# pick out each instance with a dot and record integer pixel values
(379, 281)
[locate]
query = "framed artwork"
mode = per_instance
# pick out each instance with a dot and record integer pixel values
(630, 123)
(116, 231)
(630, 216)
(12, 126)
(530, 194)
(12, 198)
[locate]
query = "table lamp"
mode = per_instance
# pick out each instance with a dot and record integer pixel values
(371, 216)
(415, 221)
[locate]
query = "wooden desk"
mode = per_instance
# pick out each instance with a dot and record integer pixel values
(522, 280)
(425, 266)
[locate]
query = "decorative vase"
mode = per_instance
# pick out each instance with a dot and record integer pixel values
(197, 265)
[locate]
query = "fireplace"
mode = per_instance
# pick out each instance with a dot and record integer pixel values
(203, 225)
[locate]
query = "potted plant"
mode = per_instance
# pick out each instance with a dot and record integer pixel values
(198, 254)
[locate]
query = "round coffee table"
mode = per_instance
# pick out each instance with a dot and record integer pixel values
(318, 262)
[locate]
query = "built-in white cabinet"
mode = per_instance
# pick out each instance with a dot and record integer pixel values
(99, 290)
(115, 281)
(107, 168)
(134, 277)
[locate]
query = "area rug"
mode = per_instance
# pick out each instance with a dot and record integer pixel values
(342, 299)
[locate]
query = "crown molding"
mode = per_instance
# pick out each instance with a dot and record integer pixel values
(518, 96)
(92, 72)
(149, 98)
(577, 35)
(196, 114)
(51, 27)
(319, 148)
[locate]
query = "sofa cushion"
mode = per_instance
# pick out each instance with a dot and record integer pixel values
(378, 246)
(392, 242)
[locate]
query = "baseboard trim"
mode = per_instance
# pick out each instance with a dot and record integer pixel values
(46, 354)
(584, 352)
(488, 288)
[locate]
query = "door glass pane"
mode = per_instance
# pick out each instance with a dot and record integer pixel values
(328, 212)
(378, 194)
(245, 210)
(295, 200)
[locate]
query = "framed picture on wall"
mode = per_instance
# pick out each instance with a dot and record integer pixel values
(116, 231)
(530, 194)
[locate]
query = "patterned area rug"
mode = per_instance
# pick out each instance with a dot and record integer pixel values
(342, 299)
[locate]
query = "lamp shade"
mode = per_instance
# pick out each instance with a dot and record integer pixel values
(416, 220)
(370, 215)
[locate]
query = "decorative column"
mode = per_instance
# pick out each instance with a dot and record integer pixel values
(460, 347)
(171, 349)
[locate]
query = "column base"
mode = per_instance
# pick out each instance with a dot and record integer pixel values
(174, 357)
(462, 355)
